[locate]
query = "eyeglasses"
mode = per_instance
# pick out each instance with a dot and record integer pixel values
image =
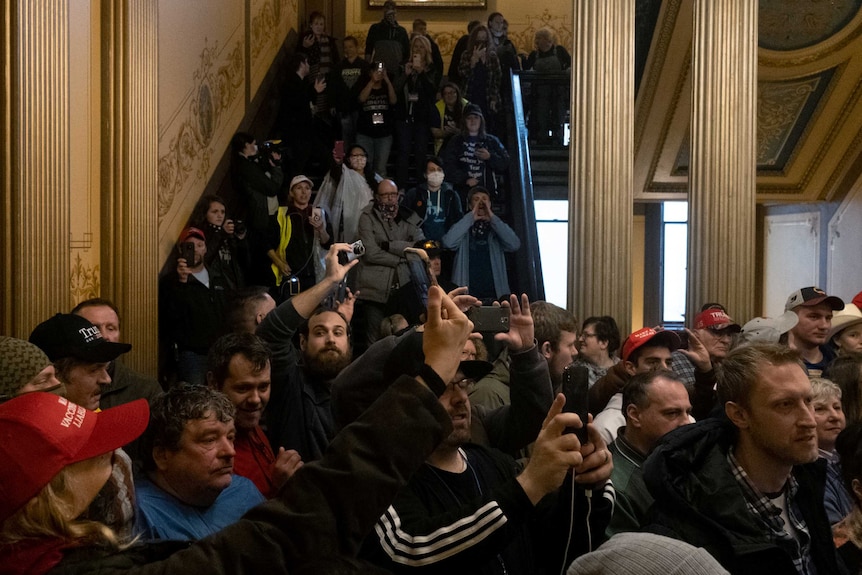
(465, 384)
(585, 335)
(720, 332)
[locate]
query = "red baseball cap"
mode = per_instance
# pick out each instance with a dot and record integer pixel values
(653, 337)
(715, 319)
(192, 232)
(41, 433)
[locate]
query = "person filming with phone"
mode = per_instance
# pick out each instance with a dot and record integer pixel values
(473, 157)
(480, 240)
(192, 304)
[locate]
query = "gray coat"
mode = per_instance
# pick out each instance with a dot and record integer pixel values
(380, 268)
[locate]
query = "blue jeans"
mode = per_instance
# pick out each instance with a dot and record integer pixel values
(378, 151)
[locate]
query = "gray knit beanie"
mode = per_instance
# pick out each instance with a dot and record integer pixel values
(20, 361)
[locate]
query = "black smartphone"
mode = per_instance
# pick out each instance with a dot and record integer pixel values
(420, 273)
(576, 384)
(187, 252)
(489, 319)
(683, 338)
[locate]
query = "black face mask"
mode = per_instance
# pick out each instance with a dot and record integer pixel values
(387, 212)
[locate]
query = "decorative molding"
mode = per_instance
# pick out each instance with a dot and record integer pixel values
(264, 26)
(779, 107)
(217, 86)
(791, 25)
(83, 281)
(678, 93)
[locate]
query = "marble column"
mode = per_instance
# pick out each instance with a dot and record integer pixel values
(34, 242)
(601, 160)
(722, 174)
(129, 177)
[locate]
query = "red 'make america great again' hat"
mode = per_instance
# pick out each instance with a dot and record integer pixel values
(41, 433)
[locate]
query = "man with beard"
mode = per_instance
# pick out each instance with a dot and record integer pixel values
(239, 367)
(299, 416)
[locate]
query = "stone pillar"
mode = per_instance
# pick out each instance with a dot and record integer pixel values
(34, 212)
(722, 175)
(130, 254)
(601, 161)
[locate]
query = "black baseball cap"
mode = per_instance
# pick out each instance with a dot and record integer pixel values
(811, 296)
(69, 335)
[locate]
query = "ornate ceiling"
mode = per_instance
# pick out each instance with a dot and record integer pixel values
(809, 117)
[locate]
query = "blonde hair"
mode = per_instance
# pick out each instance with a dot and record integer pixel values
(823, 389)
(424, 46)
(46, 516)
(546, 33)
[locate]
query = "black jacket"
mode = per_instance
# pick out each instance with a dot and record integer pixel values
(321, 516)
(698, 500)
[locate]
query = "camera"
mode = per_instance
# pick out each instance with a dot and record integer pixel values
(380, 66)
(357, 250)
(239, 227)
(266, 149)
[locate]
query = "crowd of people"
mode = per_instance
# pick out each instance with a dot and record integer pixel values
(323, 415)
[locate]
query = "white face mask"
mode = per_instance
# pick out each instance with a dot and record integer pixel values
(435, 179)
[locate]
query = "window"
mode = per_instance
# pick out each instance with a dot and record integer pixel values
(674, 261)
(552, 226)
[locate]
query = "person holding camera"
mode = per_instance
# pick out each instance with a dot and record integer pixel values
(474, 157)
(226, 245)
(192, 304)
(415, 110)
(257, 179)
(480, 240)
(295, 246)
(376, 121)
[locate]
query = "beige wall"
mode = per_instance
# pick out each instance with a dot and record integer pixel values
(447, 25)
(213, 55)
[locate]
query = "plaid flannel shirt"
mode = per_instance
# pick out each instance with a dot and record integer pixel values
(769, 515)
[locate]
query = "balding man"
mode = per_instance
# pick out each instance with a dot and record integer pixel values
(385, 229)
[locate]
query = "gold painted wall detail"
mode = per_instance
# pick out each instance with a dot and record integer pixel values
(264, 25)
(778, 109)
(522, 29)
(84, 281)
(218, 85)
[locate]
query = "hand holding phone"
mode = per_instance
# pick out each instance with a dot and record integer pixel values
(187, 252)
(489, 319)
(576, 384)
(421, 277)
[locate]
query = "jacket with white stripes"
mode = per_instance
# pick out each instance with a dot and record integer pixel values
(438, 527)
